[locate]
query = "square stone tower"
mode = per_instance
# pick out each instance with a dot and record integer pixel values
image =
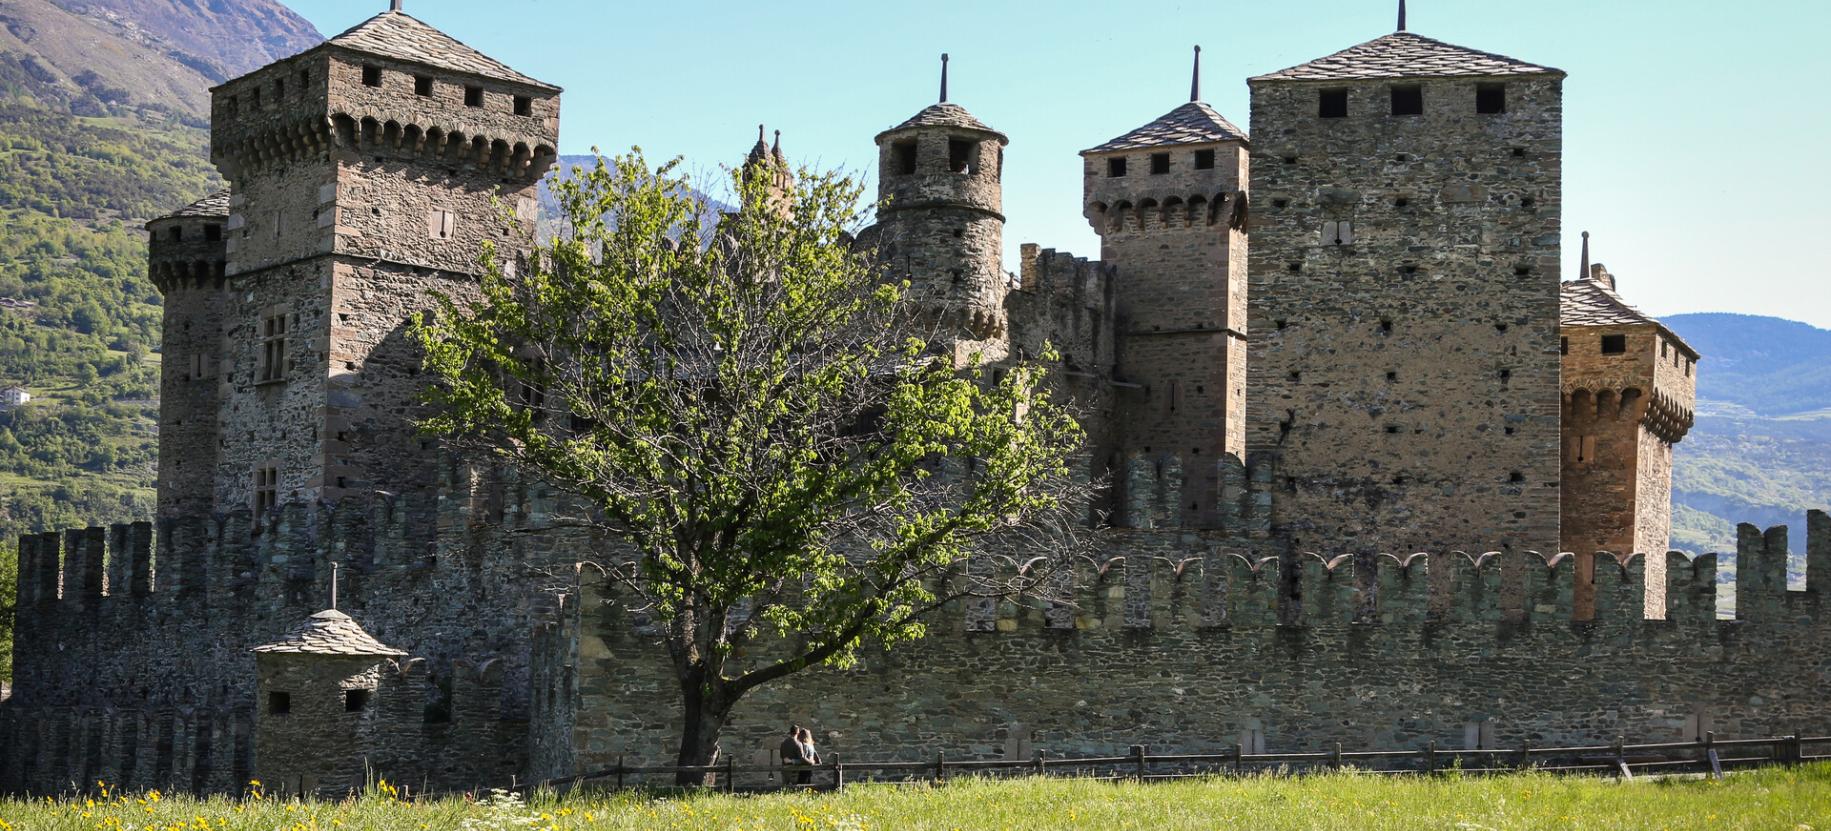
(1404, 298)
(1629, 387)
(1168, 201)
(367, 174)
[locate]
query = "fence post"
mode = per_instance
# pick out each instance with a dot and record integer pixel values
(730, 772)
(1621, 759)
(1430, 758)
(940, 766)
(1796, 751)
(1335, 758)
(1038, 763)
(619, 772)
(1239, 759)
(1525, 754)
(1138, 758)
(839, 774)
(1712, 763)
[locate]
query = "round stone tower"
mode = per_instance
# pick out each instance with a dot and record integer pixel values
(941, 222)
(185, 257)
(316, 725)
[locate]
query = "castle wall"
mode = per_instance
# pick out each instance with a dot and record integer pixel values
(1066, 303)
(1174, 642)
(143, 678)
(1406, 378)
(274, 423)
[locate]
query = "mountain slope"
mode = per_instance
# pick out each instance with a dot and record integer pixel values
(1761, 450)
(103, 107)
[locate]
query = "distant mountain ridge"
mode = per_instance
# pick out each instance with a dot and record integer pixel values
(106, 57)
(1761, 450)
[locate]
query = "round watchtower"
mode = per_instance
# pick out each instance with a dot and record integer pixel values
(941, 220)
(185, 258)
(314, 728)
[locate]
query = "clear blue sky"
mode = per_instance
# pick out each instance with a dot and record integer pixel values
(1696, 131)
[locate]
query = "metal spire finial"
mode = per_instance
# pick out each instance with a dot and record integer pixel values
(1195, 80)
(334, 566)
(1401, 15)
(943, 77)
(394, 5)
(778, 145)
(1584, 275)
(759, 134)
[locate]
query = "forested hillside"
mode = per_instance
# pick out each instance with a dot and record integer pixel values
(102, 126)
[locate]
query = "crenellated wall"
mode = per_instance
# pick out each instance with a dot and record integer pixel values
(132, 642)
(1189, 642)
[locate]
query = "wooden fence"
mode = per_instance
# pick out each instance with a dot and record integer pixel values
(1708, 756)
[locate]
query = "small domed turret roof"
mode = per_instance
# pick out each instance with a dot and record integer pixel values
(329, 632)
(944, 114)
(214, 205)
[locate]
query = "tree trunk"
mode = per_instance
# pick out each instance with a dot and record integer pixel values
(705, 710)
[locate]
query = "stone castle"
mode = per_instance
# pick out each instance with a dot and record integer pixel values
(1305, 356)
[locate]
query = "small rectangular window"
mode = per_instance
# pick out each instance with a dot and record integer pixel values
(254, 98)
(1333, 103)
(279, 88)
(371, 76)
(177, 233)
(473, 96)
(305, 80)
(266, 490)
(1115, 167)
(524, 105)
(213, 233)
(1491, 99)
(1614, 344)
(233, 105)
(279, 703)
(1204, 160)
(1563, 346)
(1337, 233)
(273, 348)
(960, 156)
(355, 701)
(422, 86)
(1408, 100)
(903, 156)
(1160, 164)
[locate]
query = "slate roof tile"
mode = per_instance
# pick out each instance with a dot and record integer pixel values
(944, 114)
(1191, 123)
(1590, 303)
(214, 205)
(329, 632)
(1406, 55)
(403, 37)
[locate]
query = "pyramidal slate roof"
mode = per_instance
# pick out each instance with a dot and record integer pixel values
(944, 114)
(329, 632)
(214, 205)
(401, 36)
(1588, 302)
(1406, 55)
(1191, 123)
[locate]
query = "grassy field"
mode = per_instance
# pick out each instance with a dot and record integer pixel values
(1790, 800)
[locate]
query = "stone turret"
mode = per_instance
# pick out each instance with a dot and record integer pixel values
(186, 256)
(941, 224)
(1629, 386)
(317, 703)
(364, 173)
(1169, 204)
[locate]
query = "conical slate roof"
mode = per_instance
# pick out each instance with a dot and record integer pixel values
(1587, 302)
(1191, 123)
(944, 114)
(398, 35)
(1406, 55)
(329, 632)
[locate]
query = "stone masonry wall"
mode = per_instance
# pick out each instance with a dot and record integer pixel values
(1174, 642)
(1406, 379)
(144, 678)
(1180, 293)
(186, 258)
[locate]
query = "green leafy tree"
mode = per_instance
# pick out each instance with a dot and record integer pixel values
(751, 408)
